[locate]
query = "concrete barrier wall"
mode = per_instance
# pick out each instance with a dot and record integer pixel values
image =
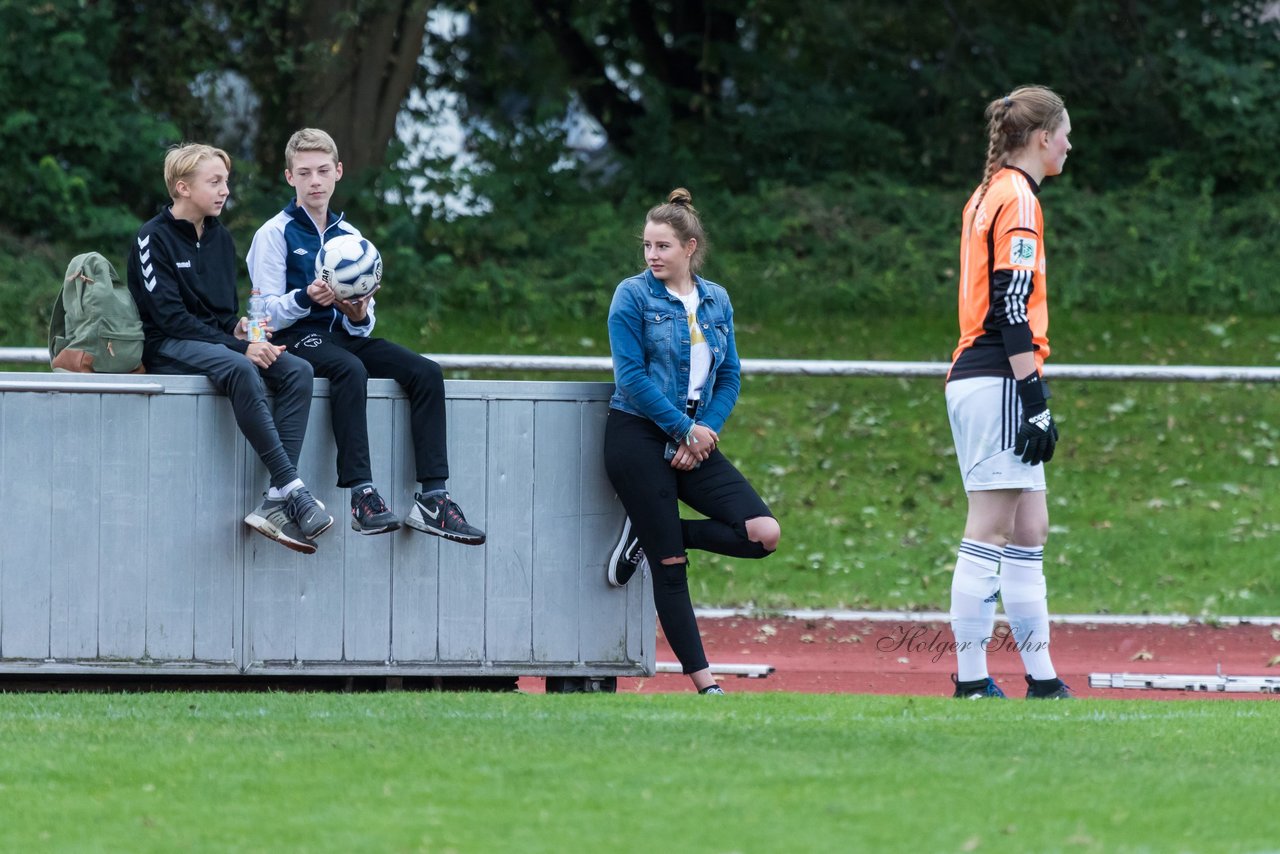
(125, 549)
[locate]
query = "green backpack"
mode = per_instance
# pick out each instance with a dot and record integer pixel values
(95, 324)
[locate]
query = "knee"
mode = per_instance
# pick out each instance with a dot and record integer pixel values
(243, 376)
(1033, 536)
(766, 531)
(350, 373)
(298, 372)
(427, 374)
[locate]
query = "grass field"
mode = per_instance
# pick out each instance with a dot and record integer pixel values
(1164, 497)
(528, 773)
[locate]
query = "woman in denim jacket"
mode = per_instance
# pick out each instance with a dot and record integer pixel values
(676, 368)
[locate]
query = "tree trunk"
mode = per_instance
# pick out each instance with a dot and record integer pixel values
(359, 68)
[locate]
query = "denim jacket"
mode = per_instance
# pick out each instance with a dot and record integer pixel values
(649, 337)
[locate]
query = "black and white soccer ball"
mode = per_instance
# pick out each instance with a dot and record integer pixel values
(349, 264)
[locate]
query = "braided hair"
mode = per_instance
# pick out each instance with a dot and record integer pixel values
(1012, 119)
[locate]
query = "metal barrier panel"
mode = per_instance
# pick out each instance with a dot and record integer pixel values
(131, 555)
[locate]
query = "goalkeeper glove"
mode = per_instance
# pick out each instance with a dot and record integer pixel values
(1037, 434)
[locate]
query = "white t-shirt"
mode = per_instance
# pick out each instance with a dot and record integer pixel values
(699, 350)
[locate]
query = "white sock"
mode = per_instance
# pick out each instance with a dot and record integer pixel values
(283, 492)
(1026, 603)
(974, 586)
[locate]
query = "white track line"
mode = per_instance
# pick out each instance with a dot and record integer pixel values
(943, 617)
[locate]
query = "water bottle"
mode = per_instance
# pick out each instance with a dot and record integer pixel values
(257, 331)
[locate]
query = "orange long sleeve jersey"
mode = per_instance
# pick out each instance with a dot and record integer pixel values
(1003, 310)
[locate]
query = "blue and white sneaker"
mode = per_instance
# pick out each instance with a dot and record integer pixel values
(979, 689)
(1047, 689)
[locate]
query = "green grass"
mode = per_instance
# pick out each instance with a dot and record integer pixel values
(749, 772)
(1163, 496)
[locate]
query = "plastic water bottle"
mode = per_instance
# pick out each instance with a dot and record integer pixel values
(257, 331)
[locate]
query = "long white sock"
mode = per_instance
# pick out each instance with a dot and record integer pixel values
(1026, 603)
(974, 586)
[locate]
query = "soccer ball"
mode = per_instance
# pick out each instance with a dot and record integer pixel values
(350, 265)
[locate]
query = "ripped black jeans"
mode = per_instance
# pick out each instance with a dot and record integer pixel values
(649, 489)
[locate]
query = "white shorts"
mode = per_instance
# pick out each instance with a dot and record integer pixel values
(985, 413)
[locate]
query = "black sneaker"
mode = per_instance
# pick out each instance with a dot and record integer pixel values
(711, 689)
(1047, 689)
(979, 689)
(440, 515)
(271, 519)
(307, 513)
(627, 557)
(369, 513)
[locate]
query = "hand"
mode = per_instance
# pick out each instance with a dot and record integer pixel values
(705, 441)
(263, 354)
(241, 332)
(1037, 434)
(684, 458)
(321, 294)
(355, 310)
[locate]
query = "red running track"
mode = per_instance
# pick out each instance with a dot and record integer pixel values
(863, 657)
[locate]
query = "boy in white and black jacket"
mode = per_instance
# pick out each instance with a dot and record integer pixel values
(336, 337)
(182, 274)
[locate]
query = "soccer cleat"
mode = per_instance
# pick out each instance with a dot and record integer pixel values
(627, 557)
(979, 689)
(1047, 689)
(369, 513)
(271, 519)
(440, 515)
(307, 513)
(711, 689)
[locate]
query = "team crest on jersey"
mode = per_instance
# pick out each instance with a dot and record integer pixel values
(1022, 252)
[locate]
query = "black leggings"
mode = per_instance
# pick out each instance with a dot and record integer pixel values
(649, 488)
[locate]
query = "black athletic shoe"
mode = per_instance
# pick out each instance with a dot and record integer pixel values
(440, 515)
(307, 513)
(369, 513)
(627, 557)
(1047, 689)
(979, 689)
(711, 689)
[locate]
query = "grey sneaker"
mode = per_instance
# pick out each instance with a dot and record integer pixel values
(369, 513)
(271, 519)
(440, 515)
(711, 689)
(307, 513)
(626, 558)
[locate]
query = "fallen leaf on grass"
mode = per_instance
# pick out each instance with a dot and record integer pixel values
(768, 630)
(971, 844)
(850, 639)
(1142, 656)
(806, 639)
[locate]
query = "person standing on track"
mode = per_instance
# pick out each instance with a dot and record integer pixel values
(997, 401)
(676, 367)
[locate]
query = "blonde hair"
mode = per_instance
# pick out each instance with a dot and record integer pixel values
(1012, 119)
(182, 161)
(682, 216)
(309, 139)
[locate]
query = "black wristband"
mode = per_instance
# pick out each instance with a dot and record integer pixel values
(1033, 392)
